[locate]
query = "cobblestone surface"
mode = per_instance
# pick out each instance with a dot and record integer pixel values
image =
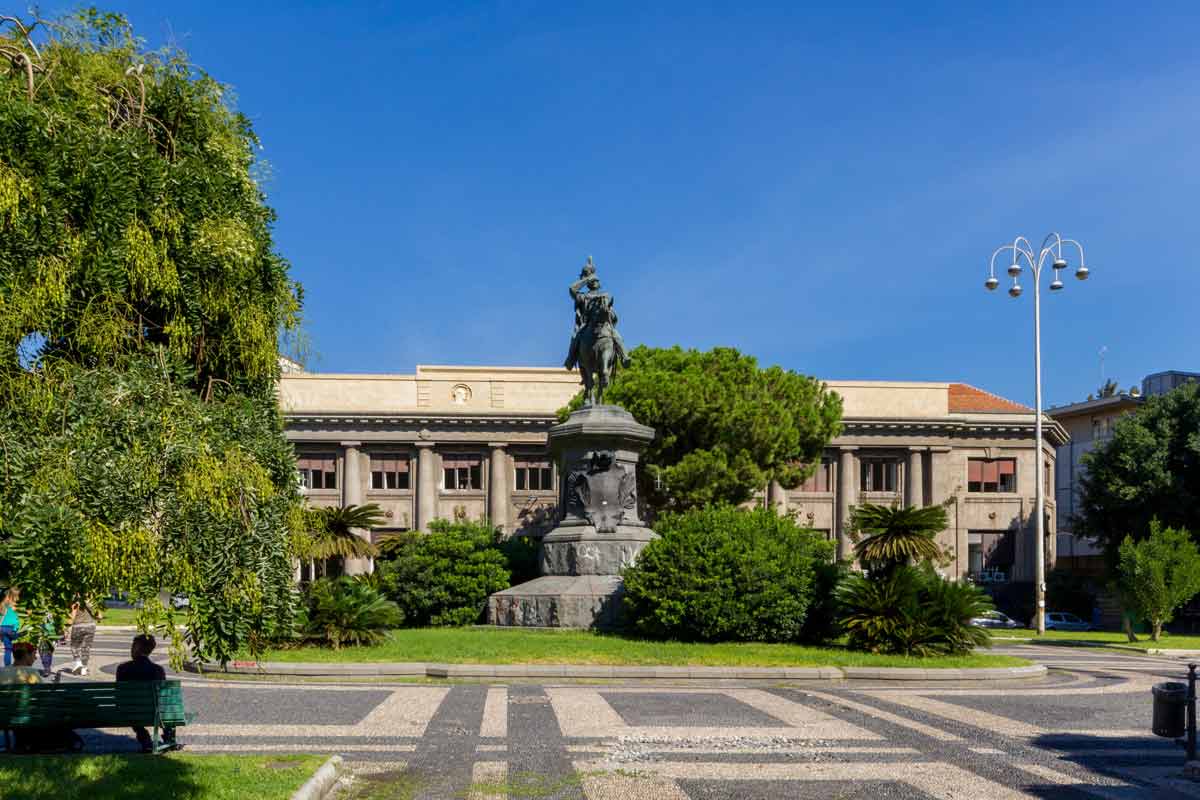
(1081, 732)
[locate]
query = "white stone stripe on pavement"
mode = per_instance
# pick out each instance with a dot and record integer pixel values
(887, 716)
(936, 779)
(495, 714)
(489, 781)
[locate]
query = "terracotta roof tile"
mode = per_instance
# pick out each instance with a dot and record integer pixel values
(966, 398)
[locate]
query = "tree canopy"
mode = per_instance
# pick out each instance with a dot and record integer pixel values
(1159, 574)
(130, 215)
(1150, 468)
(726, 427)
(141, 301)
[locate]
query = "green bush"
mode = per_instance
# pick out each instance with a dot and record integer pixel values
(722, 573)
(443, 577)
(341, 611)
(521, 553)
(823, 622)
(912, 611)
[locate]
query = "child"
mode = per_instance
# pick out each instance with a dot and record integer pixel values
(46, 645)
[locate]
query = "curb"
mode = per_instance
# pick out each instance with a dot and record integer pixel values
(586, 671)
(321, 782)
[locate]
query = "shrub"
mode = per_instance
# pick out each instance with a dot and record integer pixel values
(823, 621)
(912, 612)
(347, 611)
(722, 573)
(443, 577)
(521, 553)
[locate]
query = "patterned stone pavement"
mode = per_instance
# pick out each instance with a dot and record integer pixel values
(1083, 732)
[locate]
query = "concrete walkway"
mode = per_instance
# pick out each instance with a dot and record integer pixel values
(1082, 731)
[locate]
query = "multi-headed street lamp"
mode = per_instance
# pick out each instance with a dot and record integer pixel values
(1052, 247)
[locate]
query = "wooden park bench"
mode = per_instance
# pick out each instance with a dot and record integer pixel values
(89, 704)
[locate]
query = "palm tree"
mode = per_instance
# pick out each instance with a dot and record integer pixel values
(332, 534)
(895, 536)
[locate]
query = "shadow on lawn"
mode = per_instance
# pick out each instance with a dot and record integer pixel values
(99, 777)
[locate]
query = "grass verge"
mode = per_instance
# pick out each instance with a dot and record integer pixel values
(486, 645)
(1167, 642)
(180, 776)
(119, 616)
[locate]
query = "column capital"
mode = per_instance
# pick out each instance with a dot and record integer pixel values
(350, 444)
(847, 448)
(497, 445)
(940, 449)
(424, 445)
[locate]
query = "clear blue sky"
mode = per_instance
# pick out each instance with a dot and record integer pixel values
(820, 187)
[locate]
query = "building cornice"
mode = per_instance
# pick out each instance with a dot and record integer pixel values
(1052, 431)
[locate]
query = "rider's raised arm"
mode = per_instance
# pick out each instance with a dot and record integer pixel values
(574, 288)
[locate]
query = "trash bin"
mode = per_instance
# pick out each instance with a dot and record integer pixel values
(1170, 707)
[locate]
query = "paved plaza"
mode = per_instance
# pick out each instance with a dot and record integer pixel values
(1082, 732)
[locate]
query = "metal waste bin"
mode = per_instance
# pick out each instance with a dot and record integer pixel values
(1170, 706)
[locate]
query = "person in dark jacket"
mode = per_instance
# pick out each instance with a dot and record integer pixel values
(141, 668)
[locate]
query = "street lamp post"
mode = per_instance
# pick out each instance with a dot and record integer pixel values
(1052, 246)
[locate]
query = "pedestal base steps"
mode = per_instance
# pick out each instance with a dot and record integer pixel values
(560, 601)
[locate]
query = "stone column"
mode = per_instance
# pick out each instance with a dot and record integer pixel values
(777, 497)
(427, 466)
(847, 484)
(352, 495)
(498, 495)
(944, 483)
(914, 477)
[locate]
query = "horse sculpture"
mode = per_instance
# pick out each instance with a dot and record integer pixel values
(596, 345)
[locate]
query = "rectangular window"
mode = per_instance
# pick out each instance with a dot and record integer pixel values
(878, 475)
(462, 472)
(389, 472)
(819, 481)
(317, 471)
(992, 475)
(534, 475)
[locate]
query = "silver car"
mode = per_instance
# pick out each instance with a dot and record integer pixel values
(995, 619)
(1063, 621)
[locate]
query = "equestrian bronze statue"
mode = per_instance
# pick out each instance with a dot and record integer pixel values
(596, 346)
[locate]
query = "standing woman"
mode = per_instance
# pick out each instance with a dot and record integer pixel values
(83, 633)
(10, 623)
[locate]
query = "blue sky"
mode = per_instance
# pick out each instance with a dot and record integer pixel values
(818, 186)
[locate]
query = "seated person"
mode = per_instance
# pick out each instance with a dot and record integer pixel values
(35, 740)
(141, 668)
(22, 669)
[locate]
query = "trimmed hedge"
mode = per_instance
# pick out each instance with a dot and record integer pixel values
(443, 577)
(723, 573)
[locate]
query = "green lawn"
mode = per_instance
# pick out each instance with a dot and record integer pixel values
(179, 776)
(1167, 641)
(120, 616)
(485, 645)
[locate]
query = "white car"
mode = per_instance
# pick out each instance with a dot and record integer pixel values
(995, 619)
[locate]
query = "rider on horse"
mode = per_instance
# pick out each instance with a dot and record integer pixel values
(593, 308)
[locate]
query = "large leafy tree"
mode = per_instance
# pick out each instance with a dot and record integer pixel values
(726, 426)
(1159, 574)
(1149, 469)
(141, 301)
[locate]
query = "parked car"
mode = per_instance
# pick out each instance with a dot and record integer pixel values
(995, 619)
(1063, 621)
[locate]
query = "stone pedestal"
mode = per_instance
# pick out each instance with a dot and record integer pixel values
(599, 532)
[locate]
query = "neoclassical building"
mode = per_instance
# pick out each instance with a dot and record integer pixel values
(470, 442)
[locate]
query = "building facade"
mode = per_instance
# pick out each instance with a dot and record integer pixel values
(470, 442)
